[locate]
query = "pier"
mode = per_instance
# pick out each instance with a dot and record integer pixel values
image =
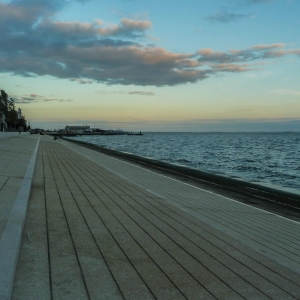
(79, 224)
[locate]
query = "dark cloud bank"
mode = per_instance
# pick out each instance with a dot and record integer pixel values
(34, 43)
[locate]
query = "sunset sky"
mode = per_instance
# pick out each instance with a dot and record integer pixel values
(159, 65)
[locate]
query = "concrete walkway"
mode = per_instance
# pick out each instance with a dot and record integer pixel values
(9, 134)
(17, 161)
(267, 233)
(100, 228)
(15, 155)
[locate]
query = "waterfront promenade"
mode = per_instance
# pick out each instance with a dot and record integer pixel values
(100, 228)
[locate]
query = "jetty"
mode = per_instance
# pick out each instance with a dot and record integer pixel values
(79, 224)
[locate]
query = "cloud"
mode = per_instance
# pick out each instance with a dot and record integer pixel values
(233, 68)
(34, 98)
(141, 93)
(83, 30)
(226, 17)
(243, 60)
(294, 52)
(25, 13)
(81, 81)
(256, 52)
(35, 43)
(133, 64)
(267, 47)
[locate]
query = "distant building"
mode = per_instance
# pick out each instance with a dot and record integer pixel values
(77, 129)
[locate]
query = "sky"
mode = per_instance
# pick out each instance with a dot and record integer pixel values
(153, 65)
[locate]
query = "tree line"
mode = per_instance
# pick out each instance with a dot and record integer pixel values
(10, 119)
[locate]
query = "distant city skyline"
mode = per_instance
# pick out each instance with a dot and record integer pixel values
(195, 65)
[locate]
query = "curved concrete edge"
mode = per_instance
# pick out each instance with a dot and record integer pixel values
(10, 242)
(214, 178)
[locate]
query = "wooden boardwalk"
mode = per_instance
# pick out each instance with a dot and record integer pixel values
(99, 228)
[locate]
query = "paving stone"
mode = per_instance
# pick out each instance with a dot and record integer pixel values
(105, 236)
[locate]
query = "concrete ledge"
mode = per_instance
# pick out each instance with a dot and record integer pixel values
(12, 235)
(186, 171)
(7, 134)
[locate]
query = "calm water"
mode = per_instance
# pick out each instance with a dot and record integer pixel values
(271, 159)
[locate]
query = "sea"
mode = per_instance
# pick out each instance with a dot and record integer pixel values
(269, 159)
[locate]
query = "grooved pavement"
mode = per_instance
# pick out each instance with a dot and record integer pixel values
(15, 154)
(91, 234)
